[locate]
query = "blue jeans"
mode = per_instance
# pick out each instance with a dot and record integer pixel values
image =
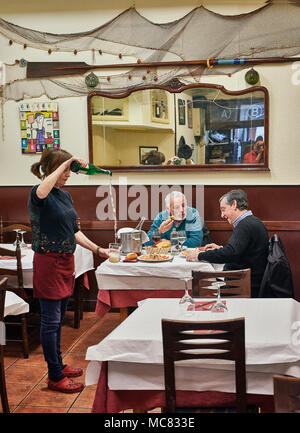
(52, 315)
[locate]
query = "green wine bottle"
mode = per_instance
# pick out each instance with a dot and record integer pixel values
(89, 169)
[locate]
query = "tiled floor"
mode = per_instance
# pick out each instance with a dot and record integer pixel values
(26, 379)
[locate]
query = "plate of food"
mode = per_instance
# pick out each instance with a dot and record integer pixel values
(154, 259)
(185, 252)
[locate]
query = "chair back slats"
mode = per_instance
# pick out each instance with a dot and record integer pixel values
(286, 394)
(235, 283)
(3, 284)
(3, 393)
(185, 340)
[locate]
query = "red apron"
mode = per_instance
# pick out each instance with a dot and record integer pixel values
(53, 275)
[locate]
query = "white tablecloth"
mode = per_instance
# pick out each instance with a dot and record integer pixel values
(14, 305)
(134, 348)
(84, 262)
(151, 276)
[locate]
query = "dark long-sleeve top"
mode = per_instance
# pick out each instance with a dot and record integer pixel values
(246, 248)
(53, 222)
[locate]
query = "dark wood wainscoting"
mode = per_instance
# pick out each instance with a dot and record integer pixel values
(277, 206)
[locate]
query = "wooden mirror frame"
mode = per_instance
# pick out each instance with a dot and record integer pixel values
(175, 86)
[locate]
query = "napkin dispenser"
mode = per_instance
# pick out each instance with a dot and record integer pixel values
(131, 242)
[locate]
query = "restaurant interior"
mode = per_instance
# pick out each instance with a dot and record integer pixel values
(166, 95)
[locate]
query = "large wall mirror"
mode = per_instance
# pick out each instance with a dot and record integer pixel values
(177, 127)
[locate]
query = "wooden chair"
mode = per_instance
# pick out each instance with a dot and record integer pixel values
(5, 406)
(286, 394)
(181, 336)
(19, 290)
(11, 228)
(236, 283)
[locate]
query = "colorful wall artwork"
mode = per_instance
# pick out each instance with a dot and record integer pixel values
(39, 126)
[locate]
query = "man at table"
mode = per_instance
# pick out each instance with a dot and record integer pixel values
(180, 217)
(248, 245)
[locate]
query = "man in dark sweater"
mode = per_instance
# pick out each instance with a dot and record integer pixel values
(248, 244)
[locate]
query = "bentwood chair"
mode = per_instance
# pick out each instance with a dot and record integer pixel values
(19, 290)
(235, 283)
(286, 394)
(184, 340)
(4, 401)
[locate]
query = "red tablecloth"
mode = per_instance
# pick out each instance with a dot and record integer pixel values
(109, 401)
(107, 299)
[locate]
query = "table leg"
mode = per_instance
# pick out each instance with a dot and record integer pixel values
(123, 313)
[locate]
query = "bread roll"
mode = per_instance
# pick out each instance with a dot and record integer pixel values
(131, 256)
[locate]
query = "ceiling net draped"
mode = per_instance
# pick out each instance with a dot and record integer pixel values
(270, 31)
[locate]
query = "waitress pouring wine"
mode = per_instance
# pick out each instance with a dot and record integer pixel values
(54, 237)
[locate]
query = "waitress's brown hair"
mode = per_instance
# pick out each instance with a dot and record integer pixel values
(50, 160)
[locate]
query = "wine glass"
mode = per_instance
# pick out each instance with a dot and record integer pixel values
(17, 236)
(23, 244)
(219, 306)
(156, 236)
(174, 243)
(186, 303)
(181, 238)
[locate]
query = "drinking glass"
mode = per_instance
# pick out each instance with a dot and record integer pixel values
(181, 238)
(174, 243)
(115, 253)
(23, 244)
(186, 303)
(17, 236)
(156, 236)
(219, 306)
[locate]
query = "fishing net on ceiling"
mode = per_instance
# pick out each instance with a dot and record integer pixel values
(270, 31)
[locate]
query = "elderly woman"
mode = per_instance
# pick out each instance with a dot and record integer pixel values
(54, 237)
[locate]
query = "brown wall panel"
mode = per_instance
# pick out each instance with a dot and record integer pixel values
(277, 206)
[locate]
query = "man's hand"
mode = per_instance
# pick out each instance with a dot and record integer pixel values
(165, 225)
(192, 255)
(211, 247)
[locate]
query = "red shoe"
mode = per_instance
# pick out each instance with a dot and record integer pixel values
(65, 385)
(72, 372)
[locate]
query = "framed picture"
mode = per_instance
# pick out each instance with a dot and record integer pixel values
(181, 112)
(107, 109)
(189, 108)
(159, 106)
(39, 126)
(143, 150)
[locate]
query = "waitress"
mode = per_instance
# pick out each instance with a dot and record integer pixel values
(54, 237)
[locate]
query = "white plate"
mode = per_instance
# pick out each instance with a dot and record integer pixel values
(141, 259)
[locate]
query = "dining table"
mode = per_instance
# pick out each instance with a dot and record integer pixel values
(125, 283)
(127, 365)
(84, 262)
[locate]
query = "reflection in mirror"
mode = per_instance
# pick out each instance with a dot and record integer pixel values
(200, 127)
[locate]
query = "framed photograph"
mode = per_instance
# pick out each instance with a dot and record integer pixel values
(107, 109)
(181, 112)
(143, 150)
(189, 113)
(159, 106)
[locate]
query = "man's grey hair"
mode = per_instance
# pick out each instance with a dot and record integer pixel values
(236, 194)
(172, 196)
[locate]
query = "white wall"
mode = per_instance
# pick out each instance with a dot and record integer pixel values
(282, 81)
